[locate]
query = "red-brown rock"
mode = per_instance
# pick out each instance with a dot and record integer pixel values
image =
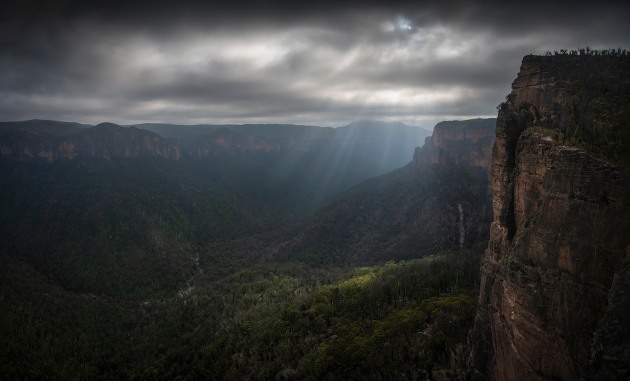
(557, 260)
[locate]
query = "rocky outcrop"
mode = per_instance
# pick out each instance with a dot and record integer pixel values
(467, 142)
(39, 142)
(555, 274)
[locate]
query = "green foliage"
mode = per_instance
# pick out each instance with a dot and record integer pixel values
(588, 51)
(596, 112)
(599, 124)
(393, 217)
(124, 228)
(285, 321)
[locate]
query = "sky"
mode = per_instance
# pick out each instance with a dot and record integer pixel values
(325, 63)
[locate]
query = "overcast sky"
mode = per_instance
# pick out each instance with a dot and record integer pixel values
(324, 63)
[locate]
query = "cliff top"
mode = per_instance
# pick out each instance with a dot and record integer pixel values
(583, 94)
(479, 125)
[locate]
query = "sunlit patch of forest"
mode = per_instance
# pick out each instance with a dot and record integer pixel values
(282, 321)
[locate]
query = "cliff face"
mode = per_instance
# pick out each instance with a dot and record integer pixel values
(460, 149)
(247, 139)
(557, 261)
(34, 141)
(382, 146)
(467, 142)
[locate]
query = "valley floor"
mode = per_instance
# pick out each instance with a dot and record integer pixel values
(399, 320)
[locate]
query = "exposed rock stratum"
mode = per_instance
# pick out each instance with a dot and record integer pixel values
(555, 292)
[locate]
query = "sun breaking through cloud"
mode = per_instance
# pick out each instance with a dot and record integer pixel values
(192, 63)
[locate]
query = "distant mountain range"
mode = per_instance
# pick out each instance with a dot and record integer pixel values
(383, 142)
(326, 160)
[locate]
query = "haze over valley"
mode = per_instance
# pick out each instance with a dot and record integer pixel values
(272, 190)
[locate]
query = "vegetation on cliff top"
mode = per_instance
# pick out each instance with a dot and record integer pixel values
(596, 113)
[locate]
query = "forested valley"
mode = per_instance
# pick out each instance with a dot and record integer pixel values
(148, 268)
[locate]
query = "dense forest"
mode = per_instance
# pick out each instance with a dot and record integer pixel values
(277, 321)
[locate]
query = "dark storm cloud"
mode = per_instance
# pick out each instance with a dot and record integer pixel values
(279, 61)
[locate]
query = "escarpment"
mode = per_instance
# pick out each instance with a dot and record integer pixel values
(49, 141)
(555, 274)
(467, 142)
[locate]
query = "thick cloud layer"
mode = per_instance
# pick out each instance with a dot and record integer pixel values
(324, 63)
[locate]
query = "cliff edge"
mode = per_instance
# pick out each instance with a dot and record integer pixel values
(556, 274)
(49, 141)
(465, 142)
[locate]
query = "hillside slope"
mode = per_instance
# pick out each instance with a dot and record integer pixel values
(417, 210)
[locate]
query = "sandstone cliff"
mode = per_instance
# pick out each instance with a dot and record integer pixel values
(50, 141)
(383, 146)
(467, 142)
(255, 138)
(555, 275)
